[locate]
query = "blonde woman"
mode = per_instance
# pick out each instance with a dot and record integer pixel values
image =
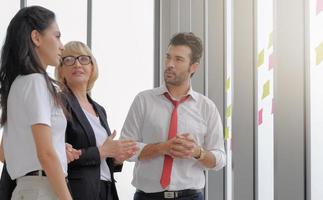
(92, 175)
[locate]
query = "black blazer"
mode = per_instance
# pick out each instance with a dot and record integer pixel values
(84, 173)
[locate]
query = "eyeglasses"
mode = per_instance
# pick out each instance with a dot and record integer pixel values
(70, 60)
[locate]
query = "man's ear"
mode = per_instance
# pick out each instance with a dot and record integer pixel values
(35, 37)
(194, 67)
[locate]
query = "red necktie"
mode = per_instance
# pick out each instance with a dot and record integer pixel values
(168, 161)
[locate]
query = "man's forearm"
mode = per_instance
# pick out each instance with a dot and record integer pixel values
(152, 150)
(209, 160)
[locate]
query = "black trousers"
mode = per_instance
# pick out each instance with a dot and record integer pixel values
(6, 184)
(105, 191)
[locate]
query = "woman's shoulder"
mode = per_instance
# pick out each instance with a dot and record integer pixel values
(31, 79)
(35, 81)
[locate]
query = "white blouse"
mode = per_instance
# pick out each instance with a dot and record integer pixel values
(30, 103)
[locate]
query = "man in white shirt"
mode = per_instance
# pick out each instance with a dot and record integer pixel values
(178, 130)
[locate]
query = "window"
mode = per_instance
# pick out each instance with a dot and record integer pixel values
(123, 45)
(7, 13)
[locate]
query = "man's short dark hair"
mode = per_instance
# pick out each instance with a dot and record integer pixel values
(190, 40)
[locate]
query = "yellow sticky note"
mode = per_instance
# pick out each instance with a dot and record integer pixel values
(226, 133)
(261, 58)
(228, 111)
(270, 40)
(227, 84)
(319, 53)
(266, 89)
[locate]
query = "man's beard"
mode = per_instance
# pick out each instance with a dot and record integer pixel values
(176, 80)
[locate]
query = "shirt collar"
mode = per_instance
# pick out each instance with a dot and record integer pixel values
(162, 89)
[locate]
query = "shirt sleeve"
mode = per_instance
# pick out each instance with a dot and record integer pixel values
(37, 100)
(132, 126)
(214, 138)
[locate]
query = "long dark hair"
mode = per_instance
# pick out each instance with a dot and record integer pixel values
(18, 56)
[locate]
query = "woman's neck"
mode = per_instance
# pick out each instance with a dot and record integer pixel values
(80, 93)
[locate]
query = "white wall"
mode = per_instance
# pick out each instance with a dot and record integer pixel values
(264, 75)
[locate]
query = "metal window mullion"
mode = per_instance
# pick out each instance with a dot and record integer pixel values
(89, 24)
(23, 3)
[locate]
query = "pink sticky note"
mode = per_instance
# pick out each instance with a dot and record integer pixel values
(319, 6)
(271, 61)
(260, 116)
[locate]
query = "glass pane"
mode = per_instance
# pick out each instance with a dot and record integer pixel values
(70, 15)
(7, 12)
(123, 45)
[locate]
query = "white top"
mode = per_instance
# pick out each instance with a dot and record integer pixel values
(148, 122)
(100, 136)
(30, 103)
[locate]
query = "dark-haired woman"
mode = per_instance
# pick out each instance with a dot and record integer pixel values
(34, 140)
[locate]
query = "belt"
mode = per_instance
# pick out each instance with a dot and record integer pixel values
(170, 194)
(41, 173)
(36, 173)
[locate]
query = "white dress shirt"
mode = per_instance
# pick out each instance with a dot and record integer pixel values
(148, 122)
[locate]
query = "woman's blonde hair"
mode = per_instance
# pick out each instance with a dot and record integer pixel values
(77, 47)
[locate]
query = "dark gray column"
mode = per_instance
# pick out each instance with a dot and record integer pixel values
(243, 102)
(289, 120)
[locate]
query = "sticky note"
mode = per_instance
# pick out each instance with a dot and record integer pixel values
(227, 84)
(272, 106)
(228, 112)
(261, 56)
(319, 6)
(226, 133)
(260, 112)
(319, 53)
(271, 61)
(265, 89)
(270, 40)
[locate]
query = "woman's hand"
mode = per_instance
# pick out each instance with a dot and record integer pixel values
(71, 153)
(120, 150)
